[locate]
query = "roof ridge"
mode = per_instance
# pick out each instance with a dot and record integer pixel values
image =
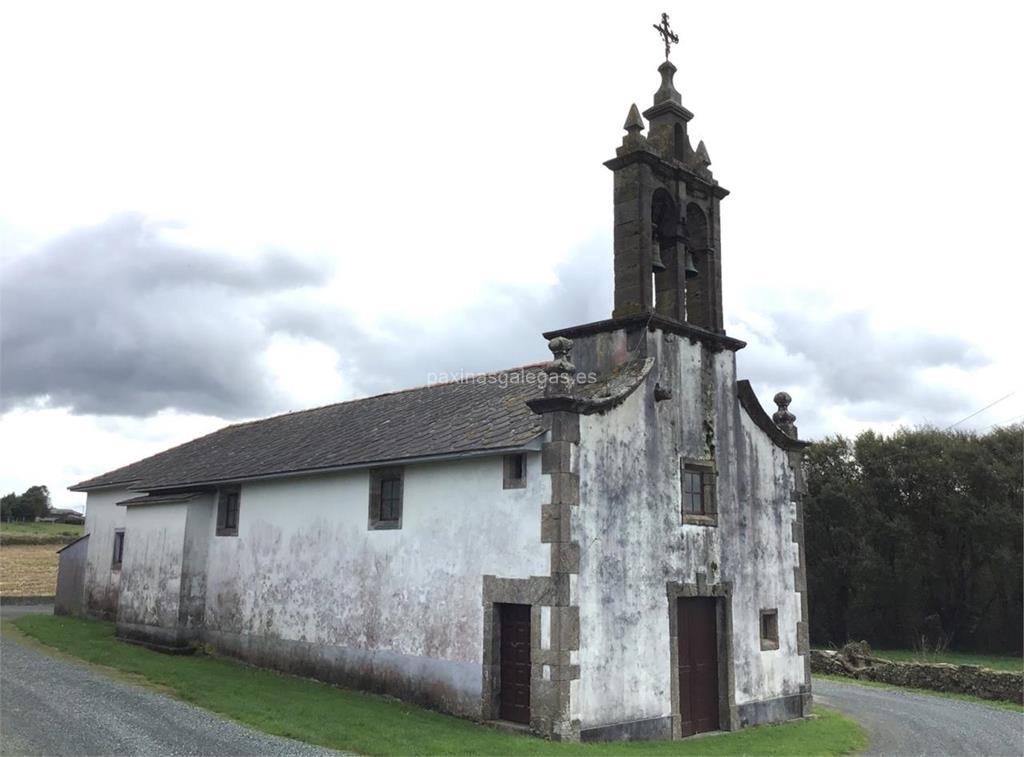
(453, 405)
(461, 380)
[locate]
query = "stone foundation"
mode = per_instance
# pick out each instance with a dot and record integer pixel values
(447, 685)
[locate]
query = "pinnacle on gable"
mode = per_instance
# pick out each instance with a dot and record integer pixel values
(634, 123)
(700, 155)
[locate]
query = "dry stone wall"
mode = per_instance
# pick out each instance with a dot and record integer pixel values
(855, 661)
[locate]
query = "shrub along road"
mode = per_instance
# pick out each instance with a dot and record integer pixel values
(907, 723)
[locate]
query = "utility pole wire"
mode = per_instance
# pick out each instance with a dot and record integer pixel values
(1008, 421)
(947, 428)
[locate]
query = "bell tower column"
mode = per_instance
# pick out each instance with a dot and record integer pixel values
(666, 238)
(634, 291)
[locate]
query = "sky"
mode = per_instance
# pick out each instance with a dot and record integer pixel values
(216, 212)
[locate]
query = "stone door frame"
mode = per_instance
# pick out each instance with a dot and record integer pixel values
(728, 718)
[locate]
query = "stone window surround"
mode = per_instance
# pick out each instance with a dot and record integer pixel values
(770, 641)
(509, 481)
(374, 523)
(728, 716)
(222, 530)
(710, 515)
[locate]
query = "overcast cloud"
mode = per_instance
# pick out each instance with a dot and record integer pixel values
(188, 330)
(366, 194)
(113, 320)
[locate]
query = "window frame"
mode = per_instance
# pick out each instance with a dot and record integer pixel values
(509, 480)
(378, 476)
(769, 640)
(117, 557)
(223, 496)
(708, 472)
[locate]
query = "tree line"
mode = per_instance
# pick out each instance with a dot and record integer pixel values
(915, 539)
(33, 503)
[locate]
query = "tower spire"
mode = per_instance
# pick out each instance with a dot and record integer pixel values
(666, 239)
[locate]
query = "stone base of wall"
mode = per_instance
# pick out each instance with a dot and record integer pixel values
(170, 640)
(981, 682)
(635, 730)
(445, 685)
(774, 710)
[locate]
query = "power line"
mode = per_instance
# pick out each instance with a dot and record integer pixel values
(1007, 422)
(976, 412)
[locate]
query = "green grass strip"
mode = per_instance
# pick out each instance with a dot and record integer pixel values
(354, 721)
(993, 662)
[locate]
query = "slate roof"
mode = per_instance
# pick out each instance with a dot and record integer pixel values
(471, 416)
(159, 499)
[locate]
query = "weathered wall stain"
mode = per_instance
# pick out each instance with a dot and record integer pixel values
(633, 541)
(310, 572)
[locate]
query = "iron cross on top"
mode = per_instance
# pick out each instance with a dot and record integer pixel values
(670, 37)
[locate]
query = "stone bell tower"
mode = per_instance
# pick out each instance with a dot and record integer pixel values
(667, 250)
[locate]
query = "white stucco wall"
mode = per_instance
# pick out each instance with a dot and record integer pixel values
(306, 568)
(633, 543)
(762, 556)
(151, 571)
(102, 582)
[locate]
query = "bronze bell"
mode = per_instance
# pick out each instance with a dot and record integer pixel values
(691, 269)
(657, 264)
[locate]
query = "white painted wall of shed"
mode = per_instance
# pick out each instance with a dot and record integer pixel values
(201, 516)
(632, 541)
(151, 570)
(102, 518)
(304, 566)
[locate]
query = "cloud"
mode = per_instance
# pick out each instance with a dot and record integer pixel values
(500, 328)
(112, 319)
(115, 320)
(842, 362)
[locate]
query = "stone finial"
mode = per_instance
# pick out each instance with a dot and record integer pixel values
(784, 419)
(634, 123)
(634, 138)
(700, 156)
(560, 370)
(667, 91)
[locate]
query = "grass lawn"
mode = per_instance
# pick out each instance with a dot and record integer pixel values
(354, 721)
(28, 570)
(38, 533)
(1003, 705)
(995, 662)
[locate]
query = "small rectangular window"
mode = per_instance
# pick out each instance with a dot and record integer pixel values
(699, 495)
(386, 486)
(229, 505)
(118, 548)
(390, 498)
(514, 471)
(769, 629)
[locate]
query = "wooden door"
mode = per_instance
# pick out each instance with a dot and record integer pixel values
(697, 629)
(515, 663)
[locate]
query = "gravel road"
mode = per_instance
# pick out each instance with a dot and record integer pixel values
(50, 706)
(903, 723)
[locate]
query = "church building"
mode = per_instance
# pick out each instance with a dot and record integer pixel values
(607, 545)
